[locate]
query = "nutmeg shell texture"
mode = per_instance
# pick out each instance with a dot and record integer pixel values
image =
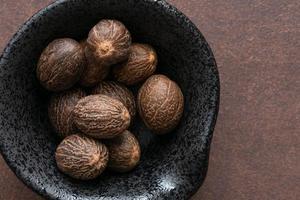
(61, 64)
(94, 71)
(124, 152)
(117, 91)
(81, 157)
(108, 42)
(160, 104)
(60, 111)
(101, 116)
(140, 65)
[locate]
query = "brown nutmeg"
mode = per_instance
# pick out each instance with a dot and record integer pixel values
(108, 42)
(81, 157)
(160, 104)
(124, 152)
(119, 92)
(60, 111)
(94, 71)
(140, 65)
(101, 116)
(60, 64)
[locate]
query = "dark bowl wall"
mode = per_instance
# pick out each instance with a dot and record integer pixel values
(172, 166)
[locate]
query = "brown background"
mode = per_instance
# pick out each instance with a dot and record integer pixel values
(256, 146)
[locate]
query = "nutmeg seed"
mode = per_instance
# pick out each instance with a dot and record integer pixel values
(94, 71)
(124, 152)
(108, 42)
(81, 157)
(60, 111)
(140, 65)
(101, 116)
(60, 64)
(160, 104)
(119, 92)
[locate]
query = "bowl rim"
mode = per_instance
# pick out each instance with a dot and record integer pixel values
(165, 7)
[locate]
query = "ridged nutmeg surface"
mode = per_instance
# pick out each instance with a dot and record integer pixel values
(60, 64)
(160, 104)
(119, 92)
(101, 116)
(60, 111)
(140, 65)
(94, 71)
(108, 42)
(124, 152)
(81, 157)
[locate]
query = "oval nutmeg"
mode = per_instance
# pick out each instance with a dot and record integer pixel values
(101, 116)
(61, 64)
(124, 152)
(94, 71)
(108, 42)
(60, 110)
(160, 104)
(119, 92)
(93, 74)
(140, 65)
(81, 157)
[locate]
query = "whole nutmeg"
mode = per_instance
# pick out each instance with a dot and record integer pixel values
(140, 65)
(124, 152)
(60, 64)
(119, 92)
(60, 111)
(160, 104)
(101, 116)
(81, 157)
(94, 71)
(108, 42)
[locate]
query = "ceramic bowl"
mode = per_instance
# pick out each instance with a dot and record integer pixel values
(172, 166)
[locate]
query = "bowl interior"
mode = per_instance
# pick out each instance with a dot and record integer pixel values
(171, 166)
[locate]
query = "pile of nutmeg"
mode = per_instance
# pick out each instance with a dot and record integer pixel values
(91, 114)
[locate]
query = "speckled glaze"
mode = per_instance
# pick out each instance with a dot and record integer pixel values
(172, 166)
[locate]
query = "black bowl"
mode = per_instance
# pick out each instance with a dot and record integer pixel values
(172, 166)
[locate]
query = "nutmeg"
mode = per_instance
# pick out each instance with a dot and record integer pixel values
(60, 111)
(108, 42)
(81, 157)
(124, 152)
(140, 65)
(119, 92)
(60, 64)
(94, 71)
(101, 116)
(160, 104)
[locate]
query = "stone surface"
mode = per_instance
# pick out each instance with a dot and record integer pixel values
(254, 153)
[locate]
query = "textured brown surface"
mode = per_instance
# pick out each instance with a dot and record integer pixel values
(254, 153)
(124, 152)
(108, 42)
(160, 104)
(61, 64)
(101, 116)
(117, 91)
(140, 65)
(81, 157)
(60, 110)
